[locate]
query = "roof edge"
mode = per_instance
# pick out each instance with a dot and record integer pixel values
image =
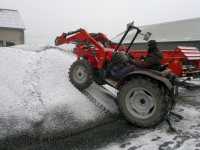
(167, 22)
(13, 28)
(176, 41)
(8, 9)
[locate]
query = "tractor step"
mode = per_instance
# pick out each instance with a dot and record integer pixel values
(111, 82)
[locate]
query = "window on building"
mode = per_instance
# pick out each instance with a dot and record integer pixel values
(1, 43)
(10, 43)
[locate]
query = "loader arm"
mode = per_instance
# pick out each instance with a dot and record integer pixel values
(77, 36)
(81, 36)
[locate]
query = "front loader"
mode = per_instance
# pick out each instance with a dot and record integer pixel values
(145, 96)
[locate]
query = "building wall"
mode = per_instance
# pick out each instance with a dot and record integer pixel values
(168, 45)
(13, 35)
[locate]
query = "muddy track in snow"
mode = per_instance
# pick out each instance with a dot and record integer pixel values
(32, 79)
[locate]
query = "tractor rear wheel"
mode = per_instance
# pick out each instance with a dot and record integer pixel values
(80, 74)
(143, 102)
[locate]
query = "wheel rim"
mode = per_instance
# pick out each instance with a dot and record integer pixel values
(140, 103)
(80, 74)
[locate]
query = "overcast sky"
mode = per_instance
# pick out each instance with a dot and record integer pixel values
(51, 17)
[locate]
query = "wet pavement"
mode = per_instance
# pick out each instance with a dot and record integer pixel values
(94, 138)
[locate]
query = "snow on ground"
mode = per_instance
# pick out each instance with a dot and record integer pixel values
(37, 98)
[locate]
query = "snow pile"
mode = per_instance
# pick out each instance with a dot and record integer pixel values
(40, 48)
(37, 98)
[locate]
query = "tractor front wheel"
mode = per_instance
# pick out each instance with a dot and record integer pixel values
(143, 102)
(80, 74)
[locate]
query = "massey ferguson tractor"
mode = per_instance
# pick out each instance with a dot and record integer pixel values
(145, 96)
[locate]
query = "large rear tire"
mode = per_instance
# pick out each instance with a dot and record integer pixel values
(80, 74)
(143, 102)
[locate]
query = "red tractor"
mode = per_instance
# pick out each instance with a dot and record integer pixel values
(145, 96)
(183, 61)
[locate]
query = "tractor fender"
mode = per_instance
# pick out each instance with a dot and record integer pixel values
(151, 74)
